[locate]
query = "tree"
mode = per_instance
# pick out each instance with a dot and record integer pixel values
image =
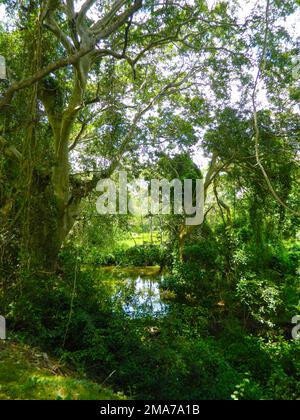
(61, 100)
(84, 83)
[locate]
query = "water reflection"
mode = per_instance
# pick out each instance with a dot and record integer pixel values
(141, 297)
(136, 292)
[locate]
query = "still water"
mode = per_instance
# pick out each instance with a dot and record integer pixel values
(135, 290)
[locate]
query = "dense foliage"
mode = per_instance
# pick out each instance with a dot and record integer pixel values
(183, 89)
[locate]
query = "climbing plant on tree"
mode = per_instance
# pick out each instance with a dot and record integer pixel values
(65, 85)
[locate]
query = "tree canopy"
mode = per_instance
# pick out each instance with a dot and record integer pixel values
(185, 89)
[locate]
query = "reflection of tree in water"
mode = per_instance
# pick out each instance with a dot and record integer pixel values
(140, 297)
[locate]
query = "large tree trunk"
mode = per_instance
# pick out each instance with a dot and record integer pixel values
(56, 207)
(47, 217)
(41, 238)
(45, 205)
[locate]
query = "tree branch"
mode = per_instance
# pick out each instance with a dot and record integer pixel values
(116, 6)
(60, 35)
(260, 71)
(70, 9)
(102, 30)
(78, 137)
(25, 83)
(84, 9)
(10, 150)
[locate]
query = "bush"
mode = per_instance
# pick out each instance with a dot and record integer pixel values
(203, 253)
(140, 255)
(169, 357)
(261, 298)
(191, 283)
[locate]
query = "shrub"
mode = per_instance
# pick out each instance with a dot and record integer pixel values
(261, 297)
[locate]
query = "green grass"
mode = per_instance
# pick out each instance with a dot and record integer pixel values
(140, 239)
(28, 374)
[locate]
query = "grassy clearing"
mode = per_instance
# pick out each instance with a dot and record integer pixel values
(28, 374)
(140, 239)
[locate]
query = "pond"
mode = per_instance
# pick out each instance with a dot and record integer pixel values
(135, 290)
